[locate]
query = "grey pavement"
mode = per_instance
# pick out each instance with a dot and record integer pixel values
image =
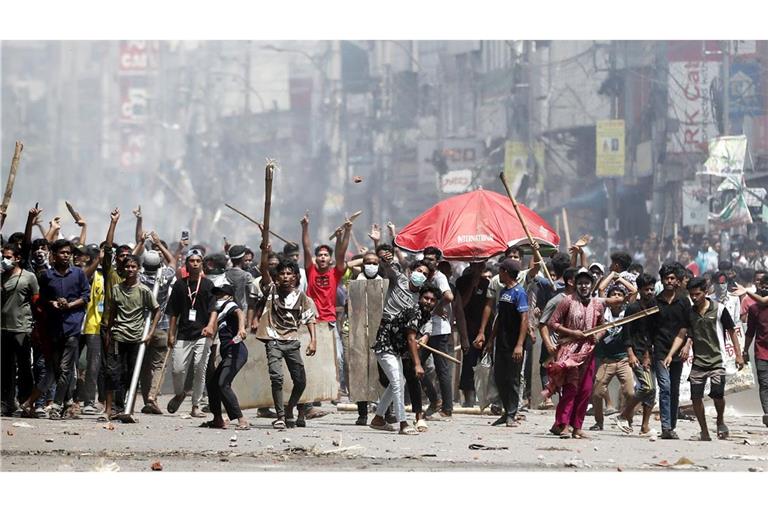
(334, 443)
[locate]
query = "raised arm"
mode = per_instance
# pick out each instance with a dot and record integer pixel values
(114, 216)
(306, 244)
(398, 252)
(83, 229)
(54, 227)
(31, 220)
(342, 243)
(156, 243)
(139, 232)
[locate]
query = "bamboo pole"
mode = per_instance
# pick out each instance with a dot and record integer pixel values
(534, 245)
(11, 180)
(261, 226)
(435, 351)
(270, 171)
(566, 228)
(351, 219)
(627, 319)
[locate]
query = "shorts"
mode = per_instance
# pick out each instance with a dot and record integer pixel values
(698, 379)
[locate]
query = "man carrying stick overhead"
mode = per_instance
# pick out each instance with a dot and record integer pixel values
(397, 338)
(323, 278)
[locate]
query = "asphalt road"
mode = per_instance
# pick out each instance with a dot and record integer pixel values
(334, 443)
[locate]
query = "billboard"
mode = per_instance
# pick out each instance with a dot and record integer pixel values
(690, 105)
(609, 148)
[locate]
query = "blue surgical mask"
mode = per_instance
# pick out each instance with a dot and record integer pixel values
(418, 279)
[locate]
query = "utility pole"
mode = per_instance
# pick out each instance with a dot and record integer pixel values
(612, 221)
(659, 134)
(727, 88)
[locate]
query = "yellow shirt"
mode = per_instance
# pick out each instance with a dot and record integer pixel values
(95, 305)
(113, 278)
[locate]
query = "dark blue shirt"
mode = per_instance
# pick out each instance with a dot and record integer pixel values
(513, 302)
(71, 285)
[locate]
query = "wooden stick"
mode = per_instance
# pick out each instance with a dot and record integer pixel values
(566, 228)
(354, 241)
(435, 351)
(627, 319)
(11, 180)
(269, 174)
(154, 392)
(351, 219)
(72, 211)
(534, 245)
(261, 226)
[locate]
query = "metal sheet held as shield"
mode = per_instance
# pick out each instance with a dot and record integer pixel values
(366, 305)
(252, 385)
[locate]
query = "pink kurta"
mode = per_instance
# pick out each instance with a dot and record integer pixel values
(572, 371)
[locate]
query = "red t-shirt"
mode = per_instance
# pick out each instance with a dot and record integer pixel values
(321, 288)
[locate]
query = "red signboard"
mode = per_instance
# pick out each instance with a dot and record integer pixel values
(138, 57)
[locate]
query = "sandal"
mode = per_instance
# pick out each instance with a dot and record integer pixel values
(596, 427)
(242, 427)
(512, 423)
(387, 427)
(722, 431)
(197, 414)
(421, 425)
(175, 402)
(408, 431)
(102, 419)
(210, 424)
(279, 424)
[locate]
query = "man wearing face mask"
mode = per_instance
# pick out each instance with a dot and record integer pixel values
(403, 293)
(441, 333)
(20, 291)
(370, 267)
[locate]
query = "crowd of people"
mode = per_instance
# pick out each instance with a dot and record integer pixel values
(75, 314)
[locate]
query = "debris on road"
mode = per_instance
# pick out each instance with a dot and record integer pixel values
(109, 426)
(9, 432)
(483, 447)
(156, 466)
(49, 440)
(22, 424)
(103, 467)
(734, 456)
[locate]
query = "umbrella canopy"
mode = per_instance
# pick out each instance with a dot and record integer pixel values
(474, 226)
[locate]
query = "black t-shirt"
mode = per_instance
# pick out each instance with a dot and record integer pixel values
(180, 303)
(513, 302)
(473, 311)
(637, 334)
(667, 322)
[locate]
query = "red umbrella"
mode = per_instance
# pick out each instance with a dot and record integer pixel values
(474, 226)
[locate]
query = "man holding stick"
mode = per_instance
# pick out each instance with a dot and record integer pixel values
(129, 302)
(392, 342)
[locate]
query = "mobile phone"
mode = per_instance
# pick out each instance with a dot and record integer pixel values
(185, 235)
(36, 205)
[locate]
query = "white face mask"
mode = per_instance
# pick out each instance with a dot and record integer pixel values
(7, 264)
(418, 279)
(370, 271)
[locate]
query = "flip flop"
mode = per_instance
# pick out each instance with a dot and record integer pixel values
(421, 425)
(102, 419)
(387, 427)
(174, 403)
(279, 424)
(243, 427)
(408, 431)
(198, 414)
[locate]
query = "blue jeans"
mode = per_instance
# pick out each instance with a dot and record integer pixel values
(668, 380)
